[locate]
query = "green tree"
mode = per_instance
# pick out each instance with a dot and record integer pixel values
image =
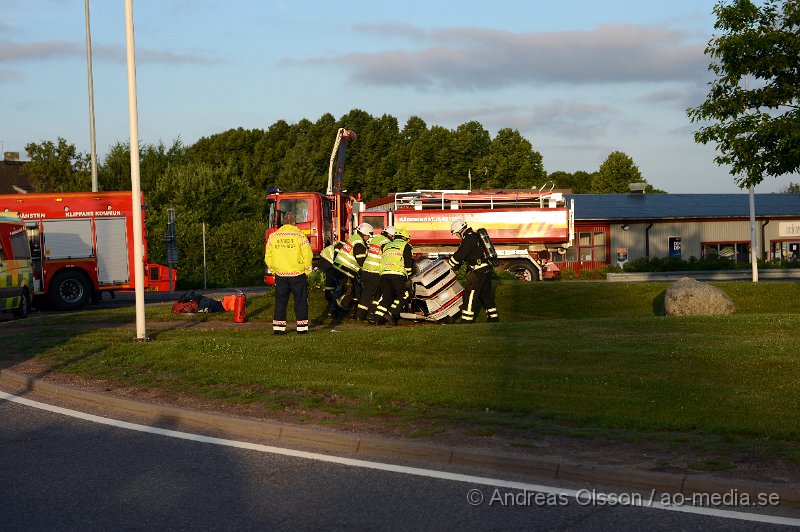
(753, 100)
(615, 174)
(511, 163)
(579, 182)
(422, 159)
(412, 133)
(791, 188)
(57, 167)
(470, 144)
(114, 173)
(375, 150)
(305, 165)
(215, 194)
(270, 152)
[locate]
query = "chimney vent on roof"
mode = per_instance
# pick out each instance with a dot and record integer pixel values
(637, 188)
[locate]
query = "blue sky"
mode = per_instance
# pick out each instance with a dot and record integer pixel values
(578, 78)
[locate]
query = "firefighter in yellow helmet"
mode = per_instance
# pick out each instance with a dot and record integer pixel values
(288, 256)
(397, 265)
(371, 273)
(478, 285)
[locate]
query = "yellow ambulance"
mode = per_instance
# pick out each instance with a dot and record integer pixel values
(16, 269)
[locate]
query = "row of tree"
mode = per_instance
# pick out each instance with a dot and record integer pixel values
(384, 159)
(219, 183)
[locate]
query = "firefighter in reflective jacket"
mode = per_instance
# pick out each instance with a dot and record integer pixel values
(331, 274)
(397, 265)
(348, 261)
(288, 256)
(478, 284)
(371, 273)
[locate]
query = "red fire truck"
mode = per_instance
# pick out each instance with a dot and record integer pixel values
(82, 245)
(526, 226)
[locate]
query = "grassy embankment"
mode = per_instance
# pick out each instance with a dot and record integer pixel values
(596, 358)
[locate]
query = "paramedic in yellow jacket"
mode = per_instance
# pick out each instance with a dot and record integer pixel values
(288, 257)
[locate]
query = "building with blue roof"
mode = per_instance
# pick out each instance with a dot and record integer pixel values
(618, 228)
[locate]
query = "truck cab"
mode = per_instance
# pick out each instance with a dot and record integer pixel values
(323, 219)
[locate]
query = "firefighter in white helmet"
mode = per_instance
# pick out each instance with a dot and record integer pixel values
(478, 284)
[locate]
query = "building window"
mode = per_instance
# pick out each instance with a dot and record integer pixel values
(592, 247)
(786, 250)
(735, 251)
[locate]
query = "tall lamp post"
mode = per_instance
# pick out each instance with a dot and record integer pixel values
(753, 241)
(136, 192)
(91, 97)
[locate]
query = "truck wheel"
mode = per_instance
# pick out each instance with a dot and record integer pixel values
(70, 289)
(24, 306)
(524, 270)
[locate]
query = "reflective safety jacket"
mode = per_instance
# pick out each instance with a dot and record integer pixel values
(329, 253)
(397, 258)
(288, 252)
(375, 245)
(352, 255)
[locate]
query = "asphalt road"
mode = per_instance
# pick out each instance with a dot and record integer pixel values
(63, 473)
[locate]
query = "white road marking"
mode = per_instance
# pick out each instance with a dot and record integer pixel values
(584, 495)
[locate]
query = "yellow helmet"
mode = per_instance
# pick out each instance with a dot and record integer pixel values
(402, 233)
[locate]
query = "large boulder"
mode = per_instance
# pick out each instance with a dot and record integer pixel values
(687, 297)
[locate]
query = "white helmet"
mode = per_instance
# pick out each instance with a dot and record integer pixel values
(458, 227)
(365, 229)
(389, 230)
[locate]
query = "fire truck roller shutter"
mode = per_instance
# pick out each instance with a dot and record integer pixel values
(68, 238)
(112, 251)
(70, 289)
(523, 269)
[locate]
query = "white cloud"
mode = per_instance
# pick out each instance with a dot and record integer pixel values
(11, 52)
(474, 58)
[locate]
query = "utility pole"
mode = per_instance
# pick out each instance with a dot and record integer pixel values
(91, 97)
(136, 196)
(753, 241)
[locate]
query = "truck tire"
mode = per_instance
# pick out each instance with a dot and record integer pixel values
(70, 289)
(24, 307)
(523, 269)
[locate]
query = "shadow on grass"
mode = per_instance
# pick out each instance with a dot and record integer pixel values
(658, 304)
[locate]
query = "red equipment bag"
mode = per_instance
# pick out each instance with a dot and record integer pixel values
(185, 307)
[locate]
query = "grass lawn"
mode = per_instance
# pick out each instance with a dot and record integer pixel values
(594, 356)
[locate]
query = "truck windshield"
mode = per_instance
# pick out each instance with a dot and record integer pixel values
(19, 243)
(297, 206)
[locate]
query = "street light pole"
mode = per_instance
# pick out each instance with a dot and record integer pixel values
(136, 191)
(91, 97)
(753, 241)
